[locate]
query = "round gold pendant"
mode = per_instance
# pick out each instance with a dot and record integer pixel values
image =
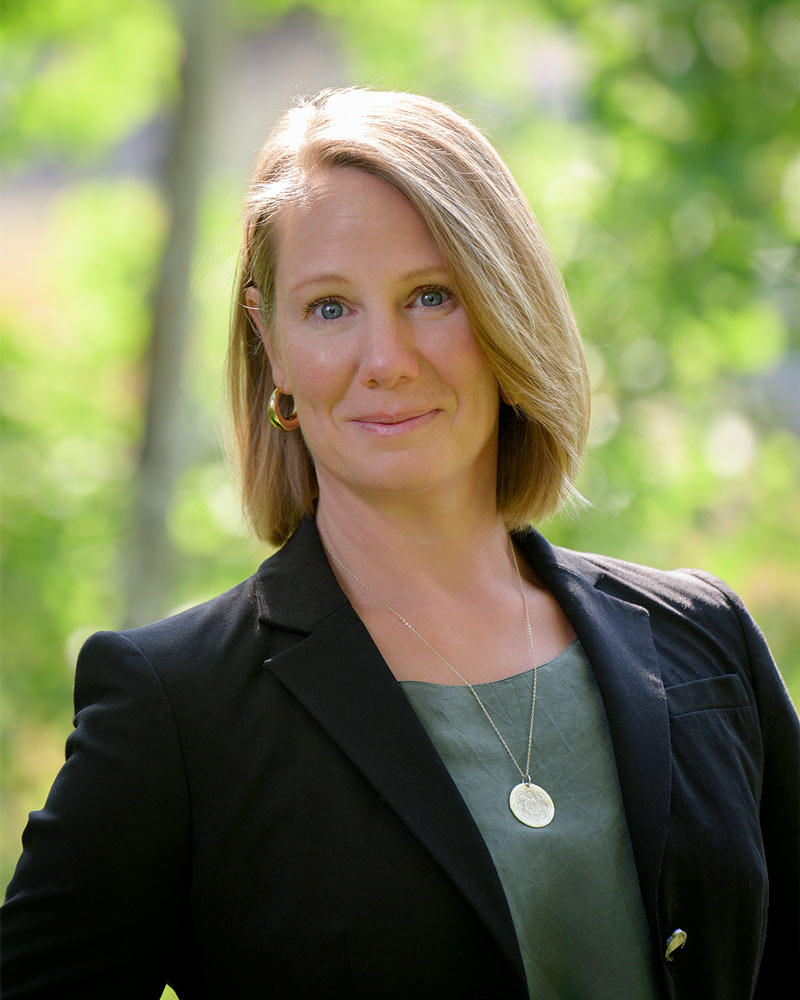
(531, 805)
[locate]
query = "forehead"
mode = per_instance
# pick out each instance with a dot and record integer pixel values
(352, 219)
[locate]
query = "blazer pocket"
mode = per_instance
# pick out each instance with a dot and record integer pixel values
(725, 691)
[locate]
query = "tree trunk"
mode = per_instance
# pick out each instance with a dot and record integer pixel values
(150, 554)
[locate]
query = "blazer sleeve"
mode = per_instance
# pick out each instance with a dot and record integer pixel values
(96, 906)
(779, 808)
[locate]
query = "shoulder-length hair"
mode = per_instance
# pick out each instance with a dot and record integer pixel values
(500, 267)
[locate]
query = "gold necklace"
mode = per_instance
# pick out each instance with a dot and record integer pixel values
(529, 803)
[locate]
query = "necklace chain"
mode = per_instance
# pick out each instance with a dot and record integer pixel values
(525, 775)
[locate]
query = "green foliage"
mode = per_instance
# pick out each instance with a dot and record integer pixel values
(81, 74)
(70, 417)
(655, 141)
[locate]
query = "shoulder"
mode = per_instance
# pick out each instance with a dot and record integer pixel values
(188, 651)
(694, 618)
(686, 594)
(228, 638)
(694, 598)
(692, 604)
(686, 589)
(683, 589)
(227, 618)
(287, 597)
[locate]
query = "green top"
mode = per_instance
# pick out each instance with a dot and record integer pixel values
(571, 886)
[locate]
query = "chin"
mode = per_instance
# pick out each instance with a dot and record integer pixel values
(395, 475)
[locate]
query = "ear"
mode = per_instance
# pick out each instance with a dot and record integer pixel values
(505, 398)
(252, 300)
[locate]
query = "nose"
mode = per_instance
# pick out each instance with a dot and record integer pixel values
(388, 351)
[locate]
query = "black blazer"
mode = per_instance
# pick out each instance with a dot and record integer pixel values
(250, 807)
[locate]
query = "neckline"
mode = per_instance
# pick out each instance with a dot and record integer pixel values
(500, 680)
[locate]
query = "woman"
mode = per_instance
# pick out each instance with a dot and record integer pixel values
(415, 755)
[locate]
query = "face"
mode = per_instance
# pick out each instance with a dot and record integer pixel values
(393, 393)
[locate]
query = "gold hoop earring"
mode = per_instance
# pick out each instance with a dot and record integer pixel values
(276, 418)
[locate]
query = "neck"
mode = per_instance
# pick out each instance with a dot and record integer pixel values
(426, 546)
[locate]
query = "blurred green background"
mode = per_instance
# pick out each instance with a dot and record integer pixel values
(657, 143)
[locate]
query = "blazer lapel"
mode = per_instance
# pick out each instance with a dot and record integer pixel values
(617, 639)
(337, 673)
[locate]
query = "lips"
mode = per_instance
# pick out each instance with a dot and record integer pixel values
(390, 418)
(386, 424)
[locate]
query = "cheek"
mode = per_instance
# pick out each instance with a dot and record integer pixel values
(317, 373)
(467, 363)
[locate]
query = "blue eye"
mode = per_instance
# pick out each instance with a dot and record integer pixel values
(329, 309)
(431, 297)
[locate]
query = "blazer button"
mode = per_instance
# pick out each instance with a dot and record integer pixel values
(677, 939)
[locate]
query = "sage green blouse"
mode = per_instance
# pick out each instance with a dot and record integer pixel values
(571, 886)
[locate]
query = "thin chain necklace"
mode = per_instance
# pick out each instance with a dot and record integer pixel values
(528, 802)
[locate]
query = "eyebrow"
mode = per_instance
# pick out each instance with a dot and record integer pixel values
(340, 279)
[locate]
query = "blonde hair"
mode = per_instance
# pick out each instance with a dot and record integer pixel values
(500, 267)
